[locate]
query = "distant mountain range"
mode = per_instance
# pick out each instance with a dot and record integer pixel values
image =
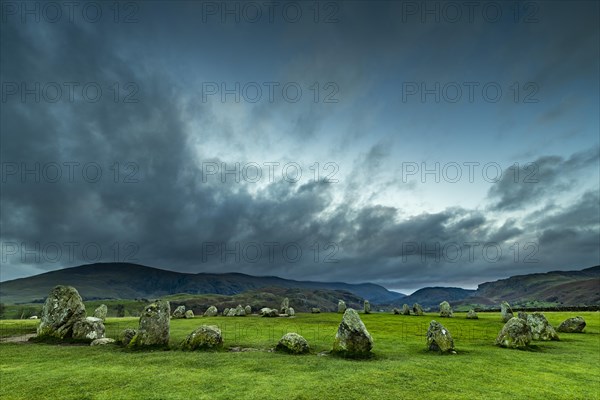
(132, 281)
(568, 288)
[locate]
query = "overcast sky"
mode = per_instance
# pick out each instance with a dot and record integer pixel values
(408, 144)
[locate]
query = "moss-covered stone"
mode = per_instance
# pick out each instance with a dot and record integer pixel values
(367, 307)
(211, 312)
(101, 312)
(405, 309)
(540, 327)
(62, 309)
(206, 337)
(572, 325)
(291, 312)
(352, 338)
(248, 310)
(154, 328)
(445, 310)
(472, 314)
(439, 338)
(179, 312)
(341, 306)
(285, 304)
(515, 334)
(189, 314)
(128, 334)
(293, 343)
(315, 310)
(417, 309)
(89, 328)
(506, 311)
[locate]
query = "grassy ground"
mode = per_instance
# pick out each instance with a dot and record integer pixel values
(400, 368)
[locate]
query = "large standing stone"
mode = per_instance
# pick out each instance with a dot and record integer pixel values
(285, 304)
(352, 338)
(154, 329)
(417, 309)
(179, 312)
(89, 328)
(506, 311)
(472, 314)
(572, 325)
(515, 334)
(396, 311)
(341, 306)
(439, 338)
(291, 312)
(405, 309)
(293, 343)
(225, 312)
(367, 307)
(189, 314)
(445, 310)
(211, 311)
(101, 312)
(62, 309)
(248, 310)
(206, 337)
(540, 327)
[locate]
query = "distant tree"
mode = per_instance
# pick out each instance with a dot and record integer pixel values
(120, 310)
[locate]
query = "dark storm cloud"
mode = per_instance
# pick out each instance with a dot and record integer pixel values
(537, 181)
(172, 212)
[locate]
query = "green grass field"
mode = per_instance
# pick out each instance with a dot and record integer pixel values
(400, 369)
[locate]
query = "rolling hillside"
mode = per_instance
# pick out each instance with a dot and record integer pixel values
(131, 281)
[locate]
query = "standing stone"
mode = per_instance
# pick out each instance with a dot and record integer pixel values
(315, 310)
(88, 329)
(154, 329)
(352, 338)
(211, 311)
(572, 325)
(206, 337)
(439, 338)
(540, 327)
(128, 334)
(62, 309)
(293, 343)
(291, 312)
(189, 314)
(445, 310)
(417, 309)
(285, 304)
(472, 314)
(405, 309)
(367, 307)
(341, 306)
(179, 312)
(101, 312)
(225, 312)
(515, 334)
(506, 311)
(239, 311)
(522, 315)
(248, 310)
(396, 311)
